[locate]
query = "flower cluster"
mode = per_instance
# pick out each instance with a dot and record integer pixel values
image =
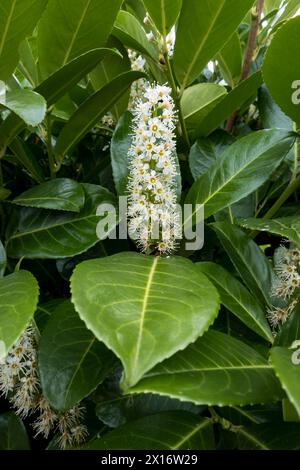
(139, 86)
(153, 215)
(19, 382)
(287, 285)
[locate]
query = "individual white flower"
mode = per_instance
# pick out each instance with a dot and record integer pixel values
(153, 216)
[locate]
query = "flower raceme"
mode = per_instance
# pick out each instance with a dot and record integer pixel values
(154, 221)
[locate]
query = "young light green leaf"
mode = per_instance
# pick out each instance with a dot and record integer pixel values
(286, 362)
(120, 144)
(17, 20)
(238, 299)
(88, 27)
(198, 100)
(248, 259)
(13, 435)
(42, 233)
(164, 13)
(59, 194)
(203, 29)
(131, 301)
(281, 68)
(72, 362)
(27, 104)
(287, 227)
(89, 113)
(18, 300)
(217, 370)
(173, 430)
(243, 168)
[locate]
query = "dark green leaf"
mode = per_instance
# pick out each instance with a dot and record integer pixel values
(26, 158)
(271, 436)
(60, 194)
(2, 260)
(13, 434)
(216, 370)
(287, 227)
(89, 113)
(71, 361)
(230, 60)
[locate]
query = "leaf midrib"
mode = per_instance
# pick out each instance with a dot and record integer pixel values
(210, 369)
(7, 25)
(81, 19)
(189, 435)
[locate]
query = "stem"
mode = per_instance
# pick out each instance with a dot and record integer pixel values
(51, 159)
(289, 190)
(183, 130)
(249, 53)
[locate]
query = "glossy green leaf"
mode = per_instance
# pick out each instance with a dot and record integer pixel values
(27, 63)
(89, 113)
(217, 370)
(231, 102)
(42, 233)
(60, 194)
(54, 87)
(207, 150)
(237, 299)
(248, 259)
(132, 34)
(88, 25)
(173, 430)
(281, 68)
(164, 13)
(110, 67)
(287, 227)
(230, 60)
(270, 113)
(2, 259)
(203, 29)
(198, 100)
(72, 363)
(120, 144)
(27, 104)
(132, 315)
(286, 362)
(13, 435)
(18, 300)
(17, 20)
(242, 168)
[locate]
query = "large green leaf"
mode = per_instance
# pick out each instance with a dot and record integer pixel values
(13, 435)
(133, 315)
(70, 28)
(230, 60)
(286, 363)
(120, 144)
(110, 67)
(131, 33)
(164, 13)
(54, 87)
(17, 20)
(203, 29)
(248, 259)
(237, 299)
(2, 259)
(287, 227)
(242, 168)
(241, 94)
(72, 362)
(27, 63)
(173, 430)
(206, 150)
(89, 113)
(60, 193)
(217, 370)
(269, 112)
(27, 104)
(42, 233)
(25, 157)
(198, 100)
(281, 68)
(18, 300)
